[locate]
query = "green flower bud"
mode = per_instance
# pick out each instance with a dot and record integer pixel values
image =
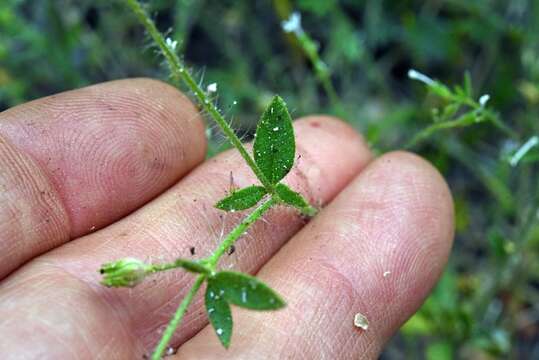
(126, 272)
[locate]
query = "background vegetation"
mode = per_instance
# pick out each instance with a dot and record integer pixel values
(487, 304)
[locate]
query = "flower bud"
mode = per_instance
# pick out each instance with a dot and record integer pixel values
(126, 272)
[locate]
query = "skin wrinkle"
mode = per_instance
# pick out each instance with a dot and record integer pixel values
(108, 301)
(52, 269)
(46, 219)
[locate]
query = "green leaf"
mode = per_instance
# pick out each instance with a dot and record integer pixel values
(219, 313)
(274, 146)
(295, 199)
(242, 199)
(246, 291)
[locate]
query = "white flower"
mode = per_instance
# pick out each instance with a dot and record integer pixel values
(211, 88)
(172, 44)
(416, 75)
(528, 145)
(484, 99)
(293, 24)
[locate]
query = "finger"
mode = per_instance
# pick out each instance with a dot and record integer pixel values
(74, 162)
(376, 250)
(331, 154)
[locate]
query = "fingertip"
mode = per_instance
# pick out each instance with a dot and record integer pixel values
(336, 129)
(330, 154)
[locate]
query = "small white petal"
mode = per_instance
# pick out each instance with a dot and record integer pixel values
(171, 43)
(293, 24)
(211, 88)
(484, 99)
(416, 75)
(523, 150)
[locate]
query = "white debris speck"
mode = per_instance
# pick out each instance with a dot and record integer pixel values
(416, 75)
(92, 228)
(211, 88)
(170, 351)
(243, 297)
(276, 128)
(527, 146)
(172, 44)
(484, 99)
(387, 273)
(293, 24)
(234, 102)
(210, 310)
(219, 331)
(361, 321)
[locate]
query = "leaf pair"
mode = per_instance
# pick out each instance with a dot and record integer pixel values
(274, 153)
(228, 287)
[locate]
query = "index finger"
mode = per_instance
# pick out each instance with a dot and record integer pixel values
(75, 162)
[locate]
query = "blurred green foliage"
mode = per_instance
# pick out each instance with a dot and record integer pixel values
(487, 303)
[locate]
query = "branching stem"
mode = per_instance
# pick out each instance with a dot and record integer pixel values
(180, 73)
(231, 238)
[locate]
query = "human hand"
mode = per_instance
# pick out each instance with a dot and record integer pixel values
(117, 170)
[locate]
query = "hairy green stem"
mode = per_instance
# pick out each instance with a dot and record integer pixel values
(179, 72)
(176, 320)
(239, 230)
(477, 112)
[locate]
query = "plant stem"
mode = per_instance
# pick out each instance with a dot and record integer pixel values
(176, 320)
(179, 72)
(231, 238)
(239, 230)
(309, 47)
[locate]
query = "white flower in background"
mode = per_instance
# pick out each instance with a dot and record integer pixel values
(172, 44)
(293, 24)
(484, 99)
(527, 146)
(416, 75)
(211, 88)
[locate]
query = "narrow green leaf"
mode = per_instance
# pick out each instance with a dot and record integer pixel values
(246, 291)
(295, 199)
(274, 146)
(242, 199)
(219, 313)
